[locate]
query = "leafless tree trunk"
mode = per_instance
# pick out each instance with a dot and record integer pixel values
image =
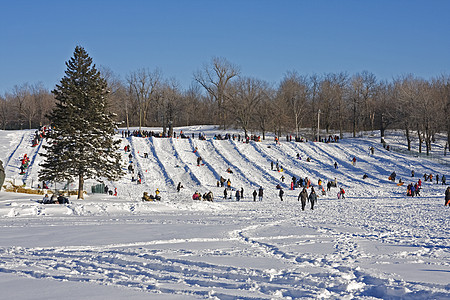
(215, 79)
(293, 92)
(264, 112)
(143, 86)
(4, 112)
(246, 95)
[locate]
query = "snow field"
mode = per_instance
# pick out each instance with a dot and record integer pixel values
(377, 243)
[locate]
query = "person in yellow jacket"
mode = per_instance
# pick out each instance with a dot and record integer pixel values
(157, 197)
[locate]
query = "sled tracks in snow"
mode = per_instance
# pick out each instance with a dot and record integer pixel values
(13, 152)
(137, 266)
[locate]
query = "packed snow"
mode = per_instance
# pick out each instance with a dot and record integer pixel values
(375, 243)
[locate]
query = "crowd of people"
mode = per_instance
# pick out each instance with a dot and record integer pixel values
(55, 199)
(151, 197)
(40, 134)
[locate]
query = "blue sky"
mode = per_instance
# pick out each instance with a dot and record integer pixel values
(265, 38)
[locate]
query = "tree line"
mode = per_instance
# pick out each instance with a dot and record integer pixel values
(222, 95)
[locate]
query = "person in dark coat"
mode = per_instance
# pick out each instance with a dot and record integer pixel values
(447, 197)
(312, 198)
(281, 194)
(62, 200)
(303, 196)
(260, 193)
(179, 187)
(255, 193)
(238, 195)
(2, 174)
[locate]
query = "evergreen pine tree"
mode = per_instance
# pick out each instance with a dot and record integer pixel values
(81, 143)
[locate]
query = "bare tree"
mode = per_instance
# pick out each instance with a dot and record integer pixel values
(363, 86)
(215, 79)
(385, 107)
(294, 91)
(4, 112)
(314, 87)
(441, 86)
(168, 105)
(264, 116)
(192, 105)
(408, 98)
(21, 95)
(246, 93)
(43, 102)
(143, 86)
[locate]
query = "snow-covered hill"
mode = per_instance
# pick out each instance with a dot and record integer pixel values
(376, 243)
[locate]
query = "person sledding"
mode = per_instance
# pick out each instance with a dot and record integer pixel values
(62, 200)
(392, 176)
(196, 196)
(208, 196)
(46, 199)
(147, 197)
(229, 170)
(25, 161)
(199, 160)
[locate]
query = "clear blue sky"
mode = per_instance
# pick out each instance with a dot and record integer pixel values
(265, 38)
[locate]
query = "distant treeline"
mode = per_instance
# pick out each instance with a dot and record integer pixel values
(222, 95)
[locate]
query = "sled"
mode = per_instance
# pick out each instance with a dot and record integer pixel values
(400, 183)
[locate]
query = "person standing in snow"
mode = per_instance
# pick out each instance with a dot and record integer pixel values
(312, 198)
(443, 179)
(303, 196)
(2, 174)
(335, 165)
(225, 194)
(354, 161)
(281, 194)
(238, 195)
(254, 195)
(260, 193)
(447, 197)
(242, 193)
(179, 187)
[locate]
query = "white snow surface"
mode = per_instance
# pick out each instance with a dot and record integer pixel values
(375, 243)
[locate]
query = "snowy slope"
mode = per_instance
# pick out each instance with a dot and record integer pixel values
(377, 243)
